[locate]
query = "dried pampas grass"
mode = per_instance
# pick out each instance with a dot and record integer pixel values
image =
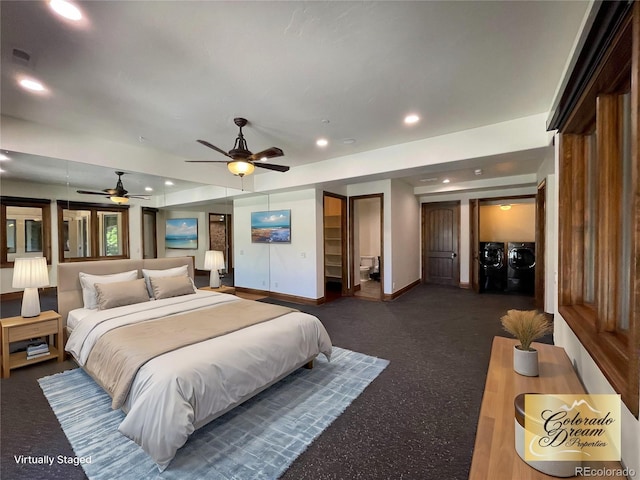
(526, 326)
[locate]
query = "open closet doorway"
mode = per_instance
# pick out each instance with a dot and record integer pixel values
(366, 245)
(335, 246)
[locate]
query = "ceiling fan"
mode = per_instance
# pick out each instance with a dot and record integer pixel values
(243, 162)
(117, 195)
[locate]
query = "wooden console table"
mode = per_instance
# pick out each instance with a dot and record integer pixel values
(494, 453)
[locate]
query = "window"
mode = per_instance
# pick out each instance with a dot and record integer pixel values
(27, 229)
(33, 235)
(92, 231)
(11, 235)
(598, 234)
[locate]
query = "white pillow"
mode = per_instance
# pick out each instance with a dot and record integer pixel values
(88, 281)
(169, 272)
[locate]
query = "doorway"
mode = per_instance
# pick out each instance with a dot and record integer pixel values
(441, 243)
(366, 246)
(504, 243)
(335, 245)
(220, 236)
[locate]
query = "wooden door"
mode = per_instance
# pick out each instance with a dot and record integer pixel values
(474, 239)
(441, 243)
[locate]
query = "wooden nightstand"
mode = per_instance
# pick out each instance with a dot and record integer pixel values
(220, 289)
(17, 328)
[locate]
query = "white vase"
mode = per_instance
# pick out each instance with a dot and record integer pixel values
(525, 362)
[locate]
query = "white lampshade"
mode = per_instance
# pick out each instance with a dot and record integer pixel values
(214, 261)
(30, 273)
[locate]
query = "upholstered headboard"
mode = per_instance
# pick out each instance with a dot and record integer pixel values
(70, 291)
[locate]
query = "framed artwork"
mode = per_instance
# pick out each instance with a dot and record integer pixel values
(271, 227)
(181, 233)
(33, 235)
(11, 236)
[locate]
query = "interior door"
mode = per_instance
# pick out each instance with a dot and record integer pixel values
(474, 239)
(441, 243)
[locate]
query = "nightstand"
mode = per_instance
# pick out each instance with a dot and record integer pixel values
(220, 289)
(15, 329)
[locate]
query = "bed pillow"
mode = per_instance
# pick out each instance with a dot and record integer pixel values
(88, 281)
(167, 287)
(169, 272)
(118, 294)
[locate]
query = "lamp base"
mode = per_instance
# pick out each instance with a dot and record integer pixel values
(214, 279)
(30, 303)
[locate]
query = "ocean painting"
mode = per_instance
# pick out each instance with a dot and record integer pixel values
(181, 233)
(271, 227)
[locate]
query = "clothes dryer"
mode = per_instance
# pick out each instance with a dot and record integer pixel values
(493, 267)
(521, 271)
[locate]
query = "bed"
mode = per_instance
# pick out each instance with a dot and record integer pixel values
(175, 362)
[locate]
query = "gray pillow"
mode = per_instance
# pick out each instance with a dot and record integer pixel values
(118, 294)
(167, 287)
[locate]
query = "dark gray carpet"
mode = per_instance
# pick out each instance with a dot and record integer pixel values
(417, 420)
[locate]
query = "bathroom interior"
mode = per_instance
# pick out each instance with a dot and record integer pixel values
(367, 247)
(507, 252)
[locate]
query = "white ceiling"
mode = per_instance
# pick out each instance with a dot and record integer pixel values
(160, 74)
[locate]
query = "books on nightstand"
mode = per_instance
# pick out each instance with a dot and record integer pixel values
(36, 350)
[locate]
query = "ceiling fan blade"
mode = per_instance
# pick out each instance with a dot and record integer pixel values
(272, 152)
(207, 161)
(207, 144)
(271, 166)
(87, 192)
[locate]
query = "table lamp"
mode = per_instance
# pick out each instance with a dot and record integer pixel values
(214, 261)
(30, 273)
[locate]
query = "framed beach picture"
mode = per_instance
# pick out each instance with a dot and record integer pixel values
(271, 227)
(181, 233)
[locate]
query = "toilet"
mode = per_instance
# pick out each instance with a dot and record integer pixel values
(367, 262)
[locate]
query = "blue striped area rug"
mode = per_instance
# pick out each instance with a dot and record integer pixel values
(257, 440)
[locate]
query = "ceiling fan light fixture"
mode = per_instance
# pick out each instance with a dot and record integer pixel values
(240, 167)
(119, 200)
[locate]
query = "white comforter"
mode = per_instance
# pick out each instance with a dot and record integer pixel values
(177, 392)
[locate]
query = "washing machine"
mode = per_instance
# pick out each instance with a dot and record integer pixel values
(493, 267)
(521, 271)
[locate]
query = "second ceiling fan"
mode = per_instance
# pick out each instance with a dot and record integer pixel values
(242, 162)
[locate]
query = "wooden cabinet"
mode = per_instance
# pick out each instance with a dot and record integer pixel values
(15, 329)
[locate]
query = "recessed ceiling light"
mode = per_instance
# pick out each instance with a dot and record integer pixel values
(168, 182)
(349, 141)
(411, 119)
(264, 159)
(66, 9)
(31, 85)
(505, 207)
(148, 189)
(478, 171)
(3, 157)
(322, 142)
(446, 180)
